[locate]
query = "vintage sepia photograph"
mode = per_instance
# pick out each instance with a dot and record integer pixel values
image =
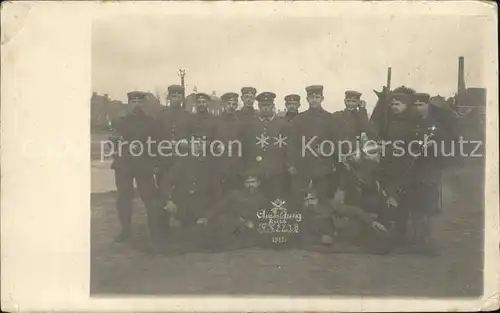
(249, 156)
(287, 155)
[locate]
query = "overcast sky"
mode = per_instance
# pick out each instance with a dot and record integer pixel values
(285, 54)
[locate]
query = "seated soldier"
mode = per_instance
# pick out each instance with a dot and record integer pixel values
(186, 189)
(318, 227)
(234, 216)
(368, 220)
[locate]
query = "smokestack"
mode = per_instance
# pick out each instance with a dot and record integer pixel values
(461, 75)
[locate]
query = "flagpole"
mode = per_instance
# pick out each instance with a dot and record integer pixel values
(182, 73)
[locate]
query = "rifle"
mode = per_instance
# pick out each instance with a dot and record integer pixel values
(387, 100)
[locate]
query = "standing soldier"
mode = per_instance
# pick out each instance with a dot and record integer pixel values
(292, 105)
(228, 132)
(350, 123)
(264, 146)
(248, 99)
(353, 120)
(188, 186)
(396, 159)
(173, 125)
(132, 162)
(311, 147)
(423, 189)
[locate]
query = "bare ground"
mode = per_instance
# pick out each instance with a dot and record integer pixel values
(457, 271)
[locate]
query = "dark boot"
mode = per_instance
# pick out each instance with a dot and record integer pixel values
(125, 218)
(427, 245)
(123, 236)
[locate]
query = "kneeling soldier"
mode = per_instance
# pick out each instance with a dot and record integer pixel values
(318, 222)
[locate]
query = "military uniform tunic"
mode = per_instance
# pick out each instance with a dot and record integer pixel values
(190, 182)
(352, 123)
(172, 125)
(424, 182)
(349, 126)
(246, 113)
(288, 118)
(264, 153)
(228, 166)
(395, 163)
(311, 150)
(234, 217)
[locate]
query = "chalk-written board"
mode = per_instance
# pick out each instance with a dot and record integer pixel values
(277, 225)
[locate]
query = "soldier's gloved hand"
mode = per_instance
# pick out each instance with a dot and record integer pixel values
(339, 196)
(118, 138)
(249, 224)
(171, 207)
(362, 104)
(182, 143)
(343, 159)
(292, 170)
(378, 227)
(202, 221)
(392, 202)
(353, 158)
(157, 170)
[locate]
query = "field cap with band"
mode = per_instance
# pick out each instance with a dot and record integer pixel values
(250, 90)
(202, 95)
(314, 90)
(175, 89)
(229, 96)
(292, 97)
(266, 97)
(421, 97)
(352, 94)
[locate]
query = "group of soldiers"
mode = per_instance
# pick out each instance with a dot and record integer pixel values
(282, 158)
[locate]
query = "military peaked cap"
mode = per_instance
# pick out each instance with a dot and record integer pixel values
(229, 95)
(202, 95)
(175, 89)
(314, 89)
(136, 94)
(292, 97)
(266, 96)
(421, 97)
(402, 96)
(309, 192)
(404, 89)
(246, 90)
(251, 173)
(352, 94)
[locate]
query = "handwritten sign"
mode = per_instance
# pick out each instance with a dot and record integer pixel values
(278, 224)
